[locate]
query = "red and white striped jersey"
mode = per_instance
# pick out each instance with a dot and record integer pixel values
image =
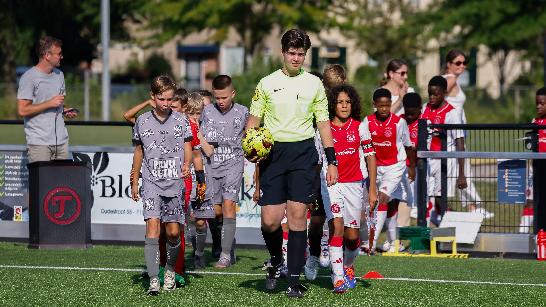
(541, 134)
(445, 114)
(347, 141)
(389, 138)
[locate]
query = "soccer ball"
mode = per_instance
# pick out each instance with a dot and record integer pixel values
(257, 142)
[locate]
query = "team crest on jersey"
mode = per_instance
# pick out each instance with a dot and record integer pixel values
(413, 134)
(351, 137)
(178, 131)
(437, 120)
(388, 133)
(237, 121)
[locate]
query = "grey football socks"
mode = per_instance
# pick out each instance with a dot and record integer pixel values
(200, 238)
(151, 256)
(172, 254)
(228, 234)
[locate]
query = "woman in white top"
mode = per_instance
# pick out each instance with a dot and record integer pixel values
(396, 81)
(455, 66)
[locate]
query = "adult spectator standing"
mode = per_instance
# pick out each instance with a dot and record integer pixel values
(40, 101)
(288, 100)
(455, 65)
(396, 81)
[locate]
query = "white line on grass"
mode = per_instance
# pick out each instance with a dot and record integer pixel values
(5, 266)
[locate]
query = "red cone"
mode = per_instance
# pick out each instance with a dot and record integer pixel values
(372, 275)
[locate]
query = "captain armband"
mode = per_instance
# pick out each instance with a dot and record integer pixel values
(367, 147)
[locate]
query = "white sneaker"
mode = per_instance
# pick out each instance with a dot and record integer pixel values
(486, 214)
(364, 248)
(401, 247)
(324, 258)
(169, 282)
(386, 246)
(154, 287)
(311, 268)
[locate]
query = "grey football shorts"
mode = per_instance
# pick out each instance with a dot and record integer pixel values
(168, 209)
(227, 187)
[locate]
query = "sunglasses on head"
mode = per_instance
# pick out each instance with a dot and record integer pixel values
(459, 63)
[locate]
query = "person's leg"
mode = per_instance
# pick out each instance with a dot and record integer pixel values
(318, 217)
(151, 254)
(271, 216)
(285, 231)
(230, 195)
(172, 216)
(404, 211)
(162, 245)
(227, 233)
(297, 239)
(201, 236)
(335, 247)
(352, 210)
(215, 224)
(152, 212)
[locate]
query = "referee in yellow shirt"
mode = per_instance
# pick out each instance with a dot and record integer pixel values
(288, 100)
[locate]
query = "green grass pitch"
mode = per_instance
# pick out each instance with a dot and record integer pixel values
(111, 276)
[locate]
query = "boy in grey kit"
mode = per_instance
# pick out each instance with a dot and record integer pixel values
(163, 151)
(223, 123)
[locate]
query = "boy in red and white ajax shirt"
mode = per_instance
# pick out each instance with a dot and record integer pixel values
(390, 137)
(343, 200)
(439, 111)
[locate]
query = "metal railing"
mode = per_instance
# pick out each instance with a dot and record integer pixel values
(487, 146)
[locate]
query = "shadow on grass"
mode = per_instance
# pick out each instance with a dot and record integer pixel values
(259, 285)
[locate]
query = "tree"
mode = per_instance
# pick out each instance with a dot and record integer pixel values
(504, 26)
(384, 29)
(253, 20)
(76, 23)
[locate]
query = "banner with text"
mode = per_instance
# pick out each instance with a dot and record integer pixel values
(112, 203)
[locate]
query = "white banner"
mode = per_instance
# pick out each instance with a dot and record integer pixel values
(112, 203)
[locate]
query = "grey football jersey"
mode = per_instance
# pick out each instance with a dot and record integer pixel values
(226, 129)
(163, 146)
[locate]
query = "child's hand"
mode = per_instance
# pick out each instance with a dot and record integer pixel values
(411, 173)
(134, 191)
(186, 170)
(256, 195)
(461, 182)
(372, 196)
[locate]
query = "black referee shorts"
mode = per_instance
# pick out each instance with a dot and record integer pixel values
(317, 209)
(289, 173)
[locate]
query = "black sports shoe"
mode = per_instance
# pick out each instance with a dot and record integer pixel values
(272, 276)
(296, 291)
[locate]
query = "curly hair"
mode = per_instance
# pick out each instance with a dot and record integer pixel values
(353, 96)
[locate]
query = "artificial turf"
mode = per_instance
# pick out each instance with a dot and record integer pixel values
(62, 287)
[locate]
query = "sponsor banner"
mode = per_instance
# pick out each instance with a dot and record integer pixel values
(13, 186)
(112, 203)
(511, 180)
